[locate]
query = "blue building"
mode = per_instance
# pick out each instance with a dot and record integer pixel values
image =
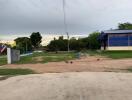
(116, 40)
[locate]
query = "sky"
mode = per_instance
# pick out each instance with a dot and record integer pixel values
(22, 17)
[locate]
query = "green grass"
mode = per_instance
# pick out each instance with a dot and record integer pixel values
(118, 54)
(129, 69)
(56, 57)
(14, 72)
(112, 54)
(47, 57)
(3, 61)
(53, 57)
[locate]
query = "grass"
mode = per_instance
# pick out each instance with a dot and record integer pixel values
(64, 56)
(3, 61)
(129, 69)
(112, 54)
(46, 57)
(14, 72)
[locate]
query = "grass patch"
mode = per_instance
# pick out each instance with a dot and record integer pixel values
(64, 56)
(46, 57)
(129, 69)
(112, 54)
(10, 72)
(3, 61)
(117, 54)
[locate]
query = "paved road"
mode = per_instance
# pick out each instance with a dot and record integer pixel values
(68, 86)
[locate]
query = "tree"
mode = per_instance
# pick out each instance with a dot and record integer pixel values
(125, 26)
(23, 44)
(61, 38)
(58, 44)
(93, 40)
(61, 44)
(90, 42)
(36, 39)
(74, 45)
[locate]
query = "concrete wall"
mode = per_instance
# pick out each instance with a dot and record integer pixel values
(12, 55)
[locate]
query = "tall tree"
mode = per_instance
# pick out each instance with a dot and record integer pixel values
(36, 39)
(59, 44)
(125, 26)
(74, 45)
(93, 40)
(23, 44)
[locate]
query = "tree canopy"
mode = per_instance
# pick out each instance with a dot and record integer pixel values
(125, 26)
(58, 44)
(23, 44)
(90, 42)
(36, 39)
(93, 40)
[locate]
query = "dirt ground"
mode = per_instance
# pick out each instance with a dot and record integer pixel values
(68, 86)
(85, 64)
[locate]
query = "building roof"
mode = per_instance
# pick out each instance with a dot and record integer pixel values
(117, 31)
(104, 34)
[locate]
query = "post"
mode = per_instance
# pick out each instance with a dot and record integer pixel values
(12, 55)
(128, 40)
(108, 43)
(68, 42)
(9, 55)
(26, 47)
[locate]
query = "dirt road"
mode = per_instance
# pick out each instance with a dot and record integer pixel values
(87, 64)
(68, 86)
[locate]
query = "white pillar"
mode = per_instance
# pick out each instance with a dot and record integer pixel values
(9, 55)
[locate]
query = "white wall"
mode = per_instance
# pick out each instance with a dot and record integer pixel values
(120, 48)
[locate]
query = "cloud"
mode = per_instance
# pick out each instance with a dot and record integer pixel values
(46, 16)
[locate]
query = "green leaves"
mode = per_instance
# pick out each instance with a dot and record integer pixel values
(36, 39)
(125, 26)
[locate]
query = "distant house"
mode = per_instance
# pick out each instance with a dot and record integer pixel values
(2, 49)
(116, 40)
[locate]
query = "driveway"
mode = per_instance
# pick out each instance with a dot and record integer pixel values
(68, 86)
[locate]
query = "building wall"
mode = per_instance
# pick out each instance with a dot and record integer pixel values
(120, 48)
(119, 42)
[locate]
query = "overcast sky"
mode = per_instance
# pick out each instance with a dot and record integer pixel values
(19, 17)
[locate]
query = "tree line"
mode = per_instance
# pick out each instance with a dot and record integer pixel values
(61, 44)
(27, 44)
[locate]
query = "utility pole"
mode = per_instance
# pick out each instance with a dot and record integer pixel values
(68, 42)
(65, 26)
(26, 47)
